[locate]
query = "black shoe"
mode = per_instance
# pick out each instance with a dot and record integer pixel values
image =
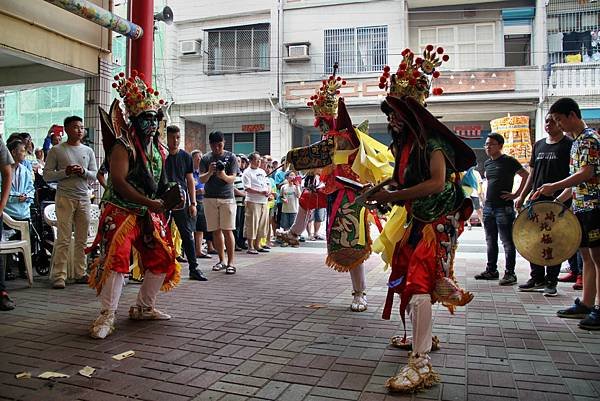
(487, 275)
(591, 321)
(181, 259)
(6, 303)
(550, 290)
(532, 285)
(197, 274)
(213, 252)
(576, 311)
(508, 279)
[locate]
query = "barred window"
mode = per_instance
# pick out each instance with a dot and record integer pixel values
(238, 49)
(573, 30)
(357, 50)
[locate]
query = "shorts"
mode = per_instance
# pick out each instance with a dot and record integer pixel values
(590, 228)
(220, 214)
(200, 218)
(318, 215)
(476, 202)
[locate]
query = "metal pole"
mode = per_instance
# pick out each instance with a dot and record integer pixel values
(100, 16)
(142, 13)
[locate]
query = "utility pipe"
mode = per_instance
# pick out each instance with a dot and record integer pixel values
(100, 16)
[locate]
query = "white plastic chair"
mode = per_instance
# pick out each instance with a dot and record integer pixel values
(51, 220)
(23, 245)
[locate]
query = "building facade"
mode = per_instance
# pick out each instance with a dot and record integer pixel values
(224, 73)
(574, 53)
(249, 72)
(44, 46)
(496, 65)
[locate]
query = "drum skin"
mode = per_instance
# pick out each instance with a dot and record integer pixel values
(546, 233)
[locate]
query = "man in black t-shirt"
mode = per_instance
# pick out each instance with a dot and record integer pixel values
(179, 168)
(549, 163)
(498, 211)
(218, 169)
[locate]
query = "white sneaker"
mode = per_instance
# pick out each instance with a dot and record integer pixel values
(359, 303)
(137, 312)
(104, 325)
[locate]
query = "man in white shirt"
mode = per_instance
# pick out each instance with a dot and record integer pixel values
(72, 164)
(258, 190)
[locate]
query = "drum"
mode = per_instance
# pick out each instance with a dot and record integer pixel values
(546, 233)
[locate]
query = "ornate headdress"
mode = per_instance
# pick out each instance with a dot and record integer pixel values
(325, 101)
(136, 95)
(414, 75)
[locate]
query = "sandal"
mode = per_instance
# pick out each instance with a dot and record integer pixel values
(230, 269)
(263, 250)
(252, 252)
(218, 267)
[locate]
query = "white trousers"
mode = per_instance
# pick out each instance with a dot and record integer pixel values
(419, 310)
(112, 288)
(357, 275)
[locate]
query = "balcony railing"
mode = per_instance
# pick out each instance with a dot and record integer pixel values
(574, 79)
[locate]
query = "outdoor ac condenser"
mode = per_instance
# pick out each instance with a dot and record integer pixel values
(297, 51)
(190, 47)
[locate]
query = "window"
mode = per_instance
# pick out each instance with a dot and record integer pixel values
(356, 50)
(517, 50)
(239, 49)
(248, 142)
(468, 45)
(573, 31)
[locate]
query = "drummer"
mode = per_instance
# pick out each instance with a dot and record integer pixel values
(584, 179)
(549, 163)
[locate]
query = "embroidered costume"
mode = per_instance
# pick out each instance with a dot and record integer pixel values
(420, 238)
(128, 224)
(347, 152)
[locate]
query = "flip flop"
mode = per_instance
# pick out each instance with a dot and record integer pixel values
(252, 252)
(204, 256)
(263, 250)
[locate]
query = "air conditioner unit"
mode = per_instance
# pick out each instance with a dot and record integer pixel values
(297, 50)
(190, 47)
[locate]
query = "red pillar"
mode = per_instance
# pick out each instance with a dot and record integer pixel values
(142, 13)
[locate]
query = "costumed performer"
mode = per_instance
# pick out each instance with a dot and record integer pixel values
(132, 208)
(347, 152)
(420, 238)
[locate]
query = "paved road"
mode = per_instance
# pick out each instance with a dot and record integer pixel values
(253, 336)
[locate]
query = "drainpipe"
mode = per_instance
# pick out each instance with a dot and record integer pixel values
(100, 16)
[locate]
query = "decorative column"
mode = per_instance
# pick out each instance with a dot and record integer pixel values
(142, 14)
(97, 93)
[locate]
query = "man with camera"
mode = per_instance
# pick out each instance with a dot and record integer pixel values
(218, 169)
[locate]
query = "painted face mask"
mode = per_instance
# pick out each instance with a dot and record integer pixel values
(147, 123)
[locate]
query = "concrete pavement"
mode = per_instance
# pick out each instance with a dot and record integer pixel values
(281, 329)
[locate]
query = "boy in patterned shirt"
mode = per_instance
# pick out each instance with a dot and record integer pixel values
(584, 184)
